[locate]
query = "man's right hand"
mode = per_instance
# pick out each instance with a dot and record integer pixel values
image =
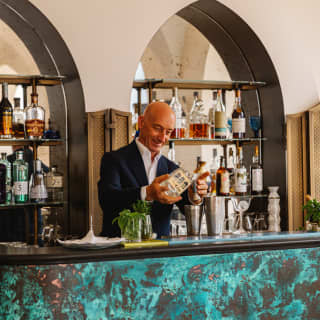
(158, 193)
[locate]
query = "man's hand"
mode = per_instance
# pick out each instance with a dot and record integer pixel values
(202, 187)
(156, 192)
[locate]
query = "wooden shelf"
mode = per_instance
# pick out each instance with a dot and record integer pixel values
(196, 85)
(30, 142)
(31, 204)
(217, 141)
(40, 80)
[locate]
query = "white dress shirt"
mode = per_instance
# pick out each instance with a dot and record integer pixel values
(149, 165)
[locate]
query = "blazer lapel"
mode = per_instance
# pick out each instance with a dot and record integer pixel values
(138, 170)
(162, 167)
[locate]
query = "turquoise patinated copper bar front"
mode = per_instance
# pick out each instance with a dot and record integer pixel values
(283, 284)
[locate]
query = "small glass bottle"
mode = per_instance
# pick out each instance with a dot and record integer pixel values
(238, 118)
(54, 183)
(6, 113)
(256, 173)
(171, 152)
(212, 113)
(198, 119)
(214, 166)
(35, 117)
(20, 178)
(38, 191)
(7, 164)
(18, 120)
(223, 179)
(179, 131)
(220, 116)
(3, 193)
(240, 175)
(231, 169)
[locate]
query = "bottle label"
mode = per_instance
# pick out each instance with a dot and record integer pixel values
(239, 125)
(7, 123)
(35, 127)
(20, 188)
(54, 181)
(225, 182)
(220, 124)
(241, 180)
(257, 180)
(38, 192)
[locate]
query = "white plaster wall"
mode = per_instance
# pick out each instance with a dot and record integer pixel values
(107, 39)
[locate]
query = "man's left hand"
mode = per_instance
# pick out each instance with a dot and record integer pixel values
(202, 186)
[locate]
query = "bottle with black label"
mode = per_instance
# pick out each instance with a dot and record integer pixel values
(256, 173)
(238, 118)
(223, 179)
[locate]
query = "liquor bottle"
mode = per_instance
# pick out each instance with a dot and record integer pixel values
(198, 119)
(213, 171)
(238, 118)
(20, 178)
(7, 164)
(179, 130)
(200, 168)
(223, 180)
(211, 114)
(231, 168)
(3, 193)
(171, 152)
(6, 113)
(220, 130)
(35, 117)
(256, 174)
(240, 174)
(38, 191)
(54, 183)
(18, 119)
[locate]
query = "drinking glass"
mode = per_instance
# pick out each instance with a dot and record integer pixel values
(255, 125)
(241, 205)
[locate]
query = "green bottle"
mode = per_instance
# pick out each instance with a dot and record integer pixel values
(7, 163)
(20, 178)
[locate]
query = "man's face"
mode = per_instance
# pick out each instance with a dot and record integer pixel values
(155, 130)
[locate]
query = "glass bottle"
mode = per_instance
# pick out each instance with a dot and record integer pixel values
(220, 116)
(223, 179)
(18, 119)
(3, 193)
(198, 119)
(231, 169)
(238, 118)
(212, 113)
(38, 191)
(200, 168)
(179, 131)
(54, 183)
(171, 152)
(213, 171)
(35, 117)
(256, 173)
(240, 175)
(20, 178)
(6, 113)
(7, 164)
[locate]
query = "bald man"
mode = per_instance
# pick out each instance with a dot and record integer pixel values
(136, 171)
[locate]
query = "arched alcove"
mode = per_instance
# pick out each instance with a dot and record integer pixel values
(66, 102)
(246, 58)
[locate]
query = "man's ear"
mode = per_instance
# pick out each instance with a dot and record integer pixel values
(140, 121)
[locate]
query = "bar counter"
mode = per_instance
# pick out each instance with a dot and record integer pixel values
(254, 276)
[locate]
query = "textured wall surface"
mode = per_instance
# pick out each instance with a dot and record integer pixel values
(282, 284)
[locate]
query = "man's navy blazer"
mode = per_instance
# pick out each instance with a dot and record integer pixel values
(122, 174)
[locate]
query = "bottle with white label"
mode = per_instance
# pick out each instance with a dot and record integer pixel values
(220, 117)
(54, 184)
(238, 118)
(223, 179)
(240, 175)
(38, 191)
(20, 178)
(256, 173)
